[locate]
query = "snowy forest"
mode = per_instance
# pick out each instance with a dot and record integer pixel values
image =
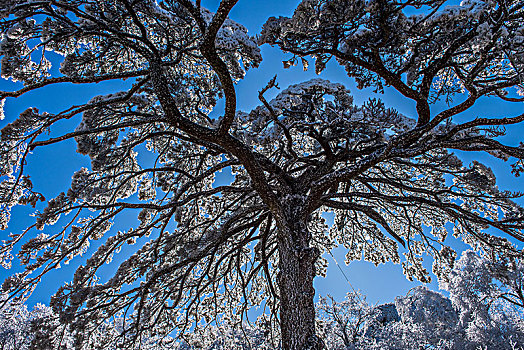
(195, 220)
(484, 310)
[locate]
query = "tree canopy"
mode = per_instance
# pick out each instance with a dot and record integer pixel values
(216, 250)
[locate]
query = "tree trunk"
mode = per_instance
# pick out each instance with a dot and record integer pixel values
(295, 281)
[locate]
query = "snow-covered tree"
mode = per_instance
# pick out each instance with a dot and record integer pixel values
(423, 319)
(41, 329)
(487, 292)
(14, 325)
(217, 250)
(480, 313)
(21, 329)
(343, 324)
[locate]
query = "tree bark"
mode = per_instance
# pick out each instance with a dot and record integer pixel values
(295, 281)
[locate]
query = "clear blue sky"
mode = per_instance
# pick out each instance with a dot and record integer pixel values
(51, 168)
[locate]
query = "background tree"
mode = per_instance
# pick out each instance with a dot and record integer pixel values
(478, 314)
(21, 329)
(217, 250)
(487, 292)
(40, 328)
(14, 325)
